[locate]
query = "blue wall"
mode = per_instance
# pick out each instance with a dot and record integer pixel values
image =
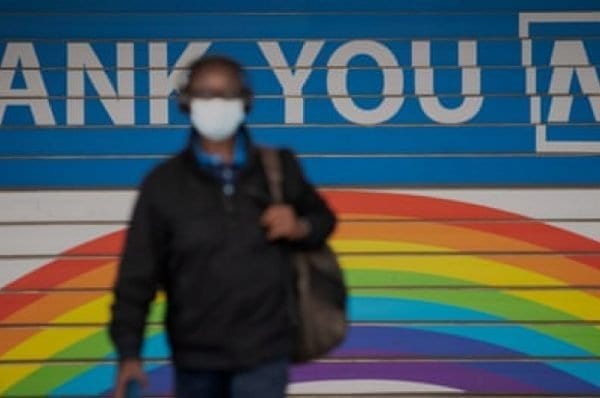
(407, 142)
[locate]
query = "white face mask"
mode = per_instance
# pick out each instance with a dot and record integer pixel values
(217, 119)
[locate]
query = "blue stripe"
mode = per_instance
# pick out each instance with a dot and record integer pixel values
(93, 381)
(444, 52)
(481, 171)
(316, 110)
(581, 112)
(573, 133)
(305, 140)
(298, 5)
(525, 340)
(562, 29)
(374, 309)
(586, 371)
(358, 81)
(542, 49)
(341, 171)
(490, 53)
(202, 26)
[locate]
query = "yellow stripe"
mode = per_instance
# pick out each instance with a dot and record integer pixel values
(484, 272)
(38, 345)
(478, 270)
(99, 307)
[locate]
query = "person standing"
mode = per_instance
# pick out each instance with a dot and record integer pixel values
(203, 228)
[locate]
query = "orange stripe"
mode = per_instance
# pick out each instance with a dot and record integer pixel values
(433, 234)
(13, 337)
(540, 234)
(49, 307)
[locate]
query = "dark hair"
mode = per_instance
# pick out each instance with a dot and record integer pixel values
(209, 62)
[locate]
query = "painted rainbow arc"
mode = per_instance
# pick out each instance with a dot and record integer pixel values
(400, 240)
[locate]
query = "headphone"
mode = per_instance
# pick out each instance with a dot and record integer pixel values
(214, 61)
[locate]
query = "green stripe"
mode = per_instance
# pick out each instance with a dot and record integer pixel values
(374, 278)
(496, 302)
(499, 303)
(47, 378)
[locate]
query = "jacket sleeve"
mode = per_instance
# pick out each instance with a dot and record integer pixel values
(307, 202)
(137, 277)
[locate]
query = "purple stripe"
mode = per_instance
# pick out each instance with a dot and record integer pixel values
(453, 375)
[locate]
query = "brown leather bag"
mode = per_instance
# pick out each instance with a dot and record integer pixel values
(318, 288)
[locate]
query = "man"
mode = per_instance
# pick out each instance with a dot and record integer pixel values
(204, 230)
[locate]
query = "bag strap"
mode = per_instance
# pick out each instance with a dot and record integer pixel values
(272, 166)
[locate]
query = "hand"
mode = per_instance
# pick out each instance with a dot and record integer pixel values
(129, 369)
(281, 222)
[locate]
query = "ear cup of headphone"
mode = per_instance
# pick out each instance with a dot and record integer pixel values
(247, 95)
(183, 100)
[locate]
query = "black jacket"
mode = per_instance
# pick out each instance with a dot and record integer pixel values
(227, 299)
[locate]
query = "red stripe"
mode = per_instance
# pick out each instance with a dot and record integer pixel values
(55, 272)
(417, 206)
(12, 302)
(519, 227)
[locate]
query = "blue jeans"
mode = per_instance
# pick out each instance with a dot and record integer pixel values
(267, 380)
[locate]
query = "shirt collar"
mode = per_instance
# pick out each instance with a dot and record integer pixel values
(240, 154)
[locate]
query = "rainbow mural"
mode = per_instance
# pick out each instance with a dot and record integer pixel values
(446, 297)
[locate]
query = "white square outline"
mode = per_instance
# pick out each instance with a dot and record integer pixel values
(535, 104)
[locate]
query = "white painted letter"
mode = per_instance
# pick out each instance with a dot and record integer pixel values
(569, 58)
(471, 83)
(82, 59)
(292, 82)
(34, 95)
(162, 83)
(393, 82)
